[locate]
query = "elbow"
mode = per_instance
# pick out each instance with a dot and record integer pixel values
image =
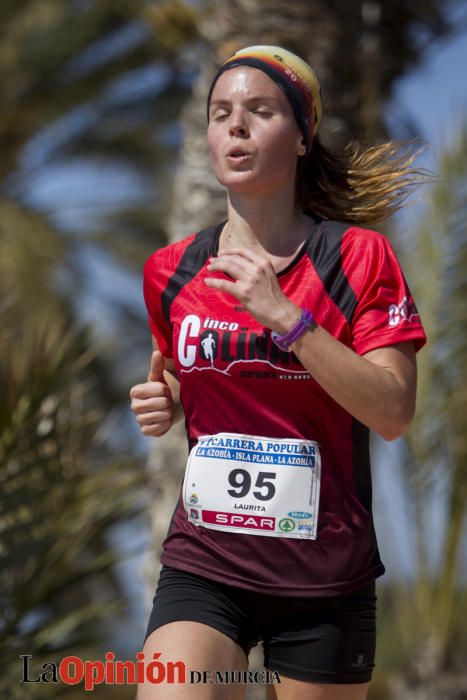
(393, 432)
(397, 424)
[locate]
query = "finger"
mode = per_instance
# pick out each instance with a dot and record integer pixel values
(152, 404)
(235, 265)
(156, 370)
(156, 430)
(222, 285)
(249, 254)
(149, 390)
(154, 418)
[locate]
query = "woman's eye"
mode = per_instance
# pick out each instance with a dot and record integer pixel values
(220, 115)
(263, 112)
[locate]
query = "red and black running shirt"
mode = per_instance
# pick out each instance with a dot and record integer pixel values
(350, 279)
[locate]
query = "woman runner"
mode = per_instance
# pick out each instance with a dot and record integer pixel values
(288, 331)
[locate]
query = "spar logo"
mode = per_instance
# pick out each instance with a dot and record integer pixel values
(254, 522)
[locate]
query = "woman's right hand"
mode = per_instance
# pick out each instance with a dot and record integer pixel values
(152, 402)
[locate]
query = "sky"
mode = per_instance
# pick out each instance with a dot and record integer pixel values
(435, 94)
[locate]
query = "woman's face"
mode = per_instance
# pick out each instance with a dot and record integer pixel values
(253, 136)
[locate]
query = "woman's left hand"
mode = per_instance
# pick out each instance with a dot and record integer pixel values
(256, 286)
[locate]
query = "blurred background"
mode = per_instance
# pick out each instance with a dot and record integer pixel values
(103, 159)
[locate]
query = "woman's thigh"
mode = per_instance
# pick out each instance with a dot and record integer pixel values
(200, 648)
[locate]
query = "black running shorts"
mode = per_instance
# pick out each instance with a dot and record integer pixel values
(321, 640)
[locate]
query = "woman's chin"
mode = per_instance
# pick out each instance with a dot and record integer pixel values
(245, 182)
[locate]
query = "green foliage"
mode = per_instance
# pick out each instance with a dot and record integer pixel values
(437, 443)
(58, 497)
(61, 489)
(59, 56)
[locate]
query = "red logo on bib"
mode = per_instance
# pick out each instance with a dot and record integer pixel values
(238, 520)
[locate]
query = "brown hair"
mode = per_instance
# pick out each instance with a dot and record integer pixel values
(362, 184)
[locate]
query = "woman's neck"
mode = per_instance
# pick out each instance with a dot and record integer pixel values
(273, 225)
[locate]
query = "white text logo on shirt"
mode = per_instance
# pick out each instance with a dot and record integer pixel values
(404, 311)
(218, 345)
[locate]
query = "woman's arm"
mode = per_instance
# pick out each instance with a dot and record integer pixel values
(378, 388)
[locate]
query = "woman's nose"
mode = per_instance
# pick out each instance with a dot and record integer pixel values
(238, 125)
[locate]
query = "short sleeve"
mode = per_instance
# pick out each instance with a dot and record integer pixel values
(385, 312)
(154, 282)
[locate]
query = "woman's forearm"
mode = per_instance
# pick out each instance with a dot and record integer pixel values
(379, 392)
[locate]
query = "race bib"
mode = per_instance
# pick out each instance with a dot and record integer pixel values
(254, 485)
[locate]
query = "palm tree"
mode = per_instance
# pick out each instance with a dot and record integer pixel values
(62, 488)
(55, 57)
(56, 579)
(94, 83)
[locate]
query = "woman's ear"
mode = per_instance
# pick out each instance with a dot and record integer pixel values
(301, 149)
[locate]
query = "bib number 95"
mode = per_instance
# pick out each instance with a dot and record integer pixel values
(240, 479)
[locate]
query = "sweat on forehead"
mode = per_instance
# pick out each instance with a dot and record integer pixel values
(246, 83)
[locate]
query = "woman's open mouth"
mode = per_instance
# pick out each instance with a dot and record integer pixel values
(237, 155)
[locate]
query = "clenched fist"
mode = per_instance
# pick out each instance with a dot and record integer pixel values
(152, 402)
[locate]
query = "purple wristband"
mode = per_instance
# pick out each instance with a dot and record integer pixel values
(284, 341)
